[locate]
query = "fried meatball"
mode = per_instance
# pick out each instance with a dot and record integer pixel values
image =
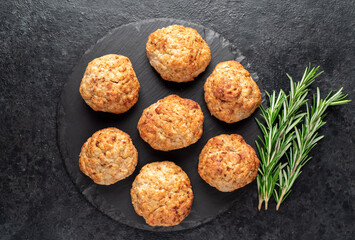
(171, 123)
(230, 93)
(178, 53)
(162, 194)
(108, 156)
(227, 162)
(110, 84)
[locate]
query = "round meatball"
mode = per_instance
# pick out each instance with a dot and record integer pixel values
(162, 194)
(171, 123)
(178, 53)
(110, 84)
(227, 163)
(108, 156)
(230, 93)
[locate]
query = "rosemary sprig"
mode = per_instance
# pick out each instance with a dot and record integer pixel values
(280, 119)
(306, 138)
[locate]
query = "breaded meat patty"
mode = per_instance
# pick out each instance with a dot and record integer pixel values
(227, 162)
(162, 194)
(231, 94)
(171, 123)
(108, 156)
(110, 84)
(178, 53)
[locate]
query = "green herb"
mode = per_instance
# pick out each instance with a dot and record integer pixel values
(280, 132)
(306, 138)
(280, 119)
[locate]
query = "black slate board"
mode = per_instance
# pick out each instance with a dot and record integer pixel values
(77, 122)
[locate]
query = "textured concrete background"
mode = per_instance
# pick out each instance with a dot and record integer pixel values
(41, 41)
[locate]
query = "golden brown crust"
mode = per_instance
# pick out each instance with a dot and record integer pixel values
(110, 84)
(162, 194)
(171, 123)
(227, 163)
(108, 156)
(178, 53)
(230, 93)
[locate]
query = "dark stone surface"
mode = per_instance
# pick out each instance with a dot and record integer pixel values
(41, 41)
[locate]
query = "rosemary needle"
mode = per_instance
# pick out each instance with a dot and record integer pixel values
(280, 119)
(306, 138)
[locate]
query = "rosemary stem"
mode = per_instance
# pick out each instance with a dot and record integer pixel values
(295, 167)
(268, 159)
(261, 200)
(282, 113)
(281, 197)
(307, 140)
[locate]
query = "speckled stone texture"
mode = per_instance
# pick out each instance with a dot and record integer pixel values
(41, 41)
